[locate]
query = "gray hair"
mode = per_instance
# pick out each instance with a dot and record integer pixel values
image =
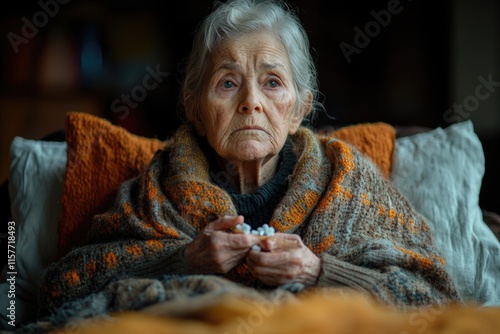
(236, 17)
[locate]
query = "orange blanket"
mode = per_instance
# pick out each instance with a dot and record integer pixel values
(325, 311)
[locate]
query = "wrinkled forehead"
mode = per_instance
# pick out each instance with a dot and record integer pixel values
(259, 50)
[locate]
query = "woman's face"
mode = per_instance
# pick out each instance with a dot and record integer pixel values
(247, 105)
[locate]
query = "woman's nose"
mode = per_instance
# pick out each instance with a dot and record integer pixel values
(250, 100)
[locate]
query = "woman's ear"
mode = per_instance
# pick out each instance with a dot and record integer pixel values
(298, 116)
(192, 114)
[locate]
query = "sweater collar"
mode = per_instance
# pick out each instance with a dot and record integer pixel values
(200, 200)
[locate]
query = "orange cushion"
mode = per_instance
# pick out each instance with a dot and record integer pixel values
(101, 156)
(374, 140)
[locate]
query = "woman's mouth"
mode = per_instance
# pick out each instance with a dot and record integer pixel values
(250, 127)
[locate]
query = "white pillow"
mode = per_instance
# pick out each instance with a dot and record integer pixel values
(35, 188)
(440, 172)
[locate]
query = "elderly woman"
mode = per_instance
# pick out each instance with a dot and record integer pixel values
(244, 156)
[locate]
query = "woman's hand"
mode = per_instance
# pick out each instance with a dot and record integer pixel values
(215, 251)
(284, 259)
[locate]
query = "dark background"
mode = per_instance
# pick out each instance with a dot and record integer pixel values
(88, 54)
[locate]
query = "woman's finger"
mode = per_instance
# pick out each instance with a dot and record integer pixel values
(269, 269)
(224, 223)
(280, 242)
(280, 267)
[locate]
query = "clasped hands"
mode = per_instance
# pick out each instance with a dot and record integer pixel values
(283, 258)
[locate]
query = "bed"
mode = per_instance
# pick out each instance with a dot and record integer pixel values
(52, 192)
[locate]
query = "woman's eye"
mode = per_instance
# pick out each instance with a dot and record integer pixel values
(273, 83)
(227, 84)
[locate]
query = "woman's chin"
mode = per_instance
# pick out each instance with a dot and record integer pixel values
(251, 151)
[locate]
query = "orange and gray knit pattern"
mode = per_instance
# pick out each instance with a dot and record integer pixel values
(367, 234)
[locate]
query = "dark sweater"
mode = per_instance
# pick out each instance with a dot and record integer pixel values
(257, 208)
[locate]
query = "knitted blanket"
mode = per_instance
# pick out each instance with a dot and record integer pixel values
(170, 295)
(213, 305)
(367, 234)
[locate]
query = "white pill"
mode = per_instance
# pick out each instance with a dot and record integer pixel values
(256, 248)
